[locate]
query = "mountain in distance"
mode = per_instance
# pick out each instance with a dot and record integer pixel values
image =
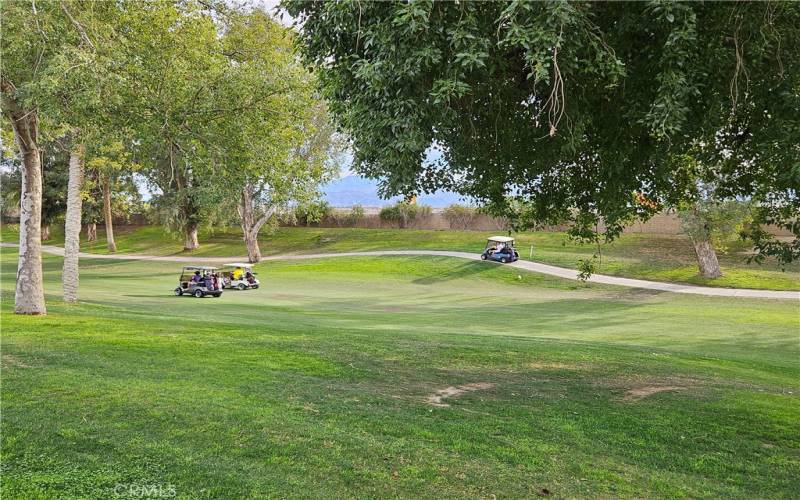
(354, 190)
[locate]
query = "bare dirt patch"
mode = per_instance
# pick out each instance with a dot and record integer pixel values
(436, 398)
(638, 393)
(13, 361)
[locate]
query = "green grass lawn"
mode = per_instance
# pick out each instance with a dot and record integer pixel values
(645, 256)
(318, 385)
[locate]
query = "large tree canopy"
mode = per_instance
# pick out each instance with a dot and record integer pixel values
(584, 111)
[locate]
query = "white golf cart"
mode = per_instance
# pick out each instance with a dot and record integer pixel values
(500, 249)
(199, 281)
(239, 275)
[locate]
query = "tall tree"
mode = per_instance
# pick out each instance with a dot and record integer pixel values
(66, 103)
(577, 109)
(29, 294)
(281, 146)
(33, 41)
(174, 65)
(44, 47)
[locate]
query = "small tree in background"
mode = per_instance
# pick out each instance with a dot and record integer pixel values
(459, 216)
(113, 168)
(312, 212)
(712, 224)
(126, 200)
(92, 209)
(355, 215)
(350, 218)
(404, 213)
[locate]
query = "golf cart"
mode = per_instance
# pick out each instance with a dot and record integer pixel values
(239, 275)
(199, 281)
(500, 249)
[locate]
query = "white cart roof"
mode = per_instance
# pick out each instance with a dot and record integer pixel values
(238, 264)
(199, 268)
(500, 239)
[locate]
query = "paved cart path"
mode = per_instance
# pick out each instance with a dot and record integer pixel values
(536, 267)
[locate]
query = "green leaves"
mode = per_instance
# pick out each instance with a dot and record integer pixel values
(677, 83)
(445, 90)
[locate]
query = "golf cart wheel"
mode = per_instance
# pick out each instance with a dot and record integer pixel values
(198, 293)
(242, 286)
(179, 291)
(504, 260)
(483, 256)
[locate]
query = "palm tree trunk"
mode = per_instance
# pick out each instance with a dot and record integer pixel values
(112, 245)
(45, 232)
(72, 225)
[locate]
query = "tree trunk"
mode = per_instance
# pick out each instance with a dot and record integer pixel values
(112, 245)
(29, 292)
(249, 229)
(250, 225)
(45, 232)
(72, 225)
(91, 231)
(253, 251)
(707, 259)
(191, 242)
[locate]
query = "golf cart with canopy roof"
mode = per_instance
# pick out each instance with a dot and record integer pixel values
(239, 275)
(199, 281)
(500, 249)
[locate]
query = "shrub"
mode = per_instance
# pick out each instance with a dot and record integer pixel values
(312, 213)
(586, 268)
(355, 215)
(348, 219)
(459, 216)
(403, 213)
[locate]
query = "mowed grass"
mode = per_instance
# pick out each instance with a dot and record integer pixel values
(645, 256)
(317, 385)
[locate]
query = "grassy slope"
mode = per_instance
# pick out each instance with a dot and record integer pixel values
(644, 256)
(315, 386)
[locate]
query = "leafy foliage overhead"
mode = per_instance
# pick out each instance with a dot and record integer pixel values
(581, 110)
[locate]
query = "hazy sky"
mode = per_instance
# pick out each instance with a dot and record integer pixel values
(270, 6)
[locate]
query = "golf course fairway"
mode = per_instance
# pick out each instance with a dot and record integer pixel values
(395, 376)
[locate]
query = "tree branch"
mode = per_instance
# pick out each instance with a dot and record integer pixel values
(264, 218)
(78, 26)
